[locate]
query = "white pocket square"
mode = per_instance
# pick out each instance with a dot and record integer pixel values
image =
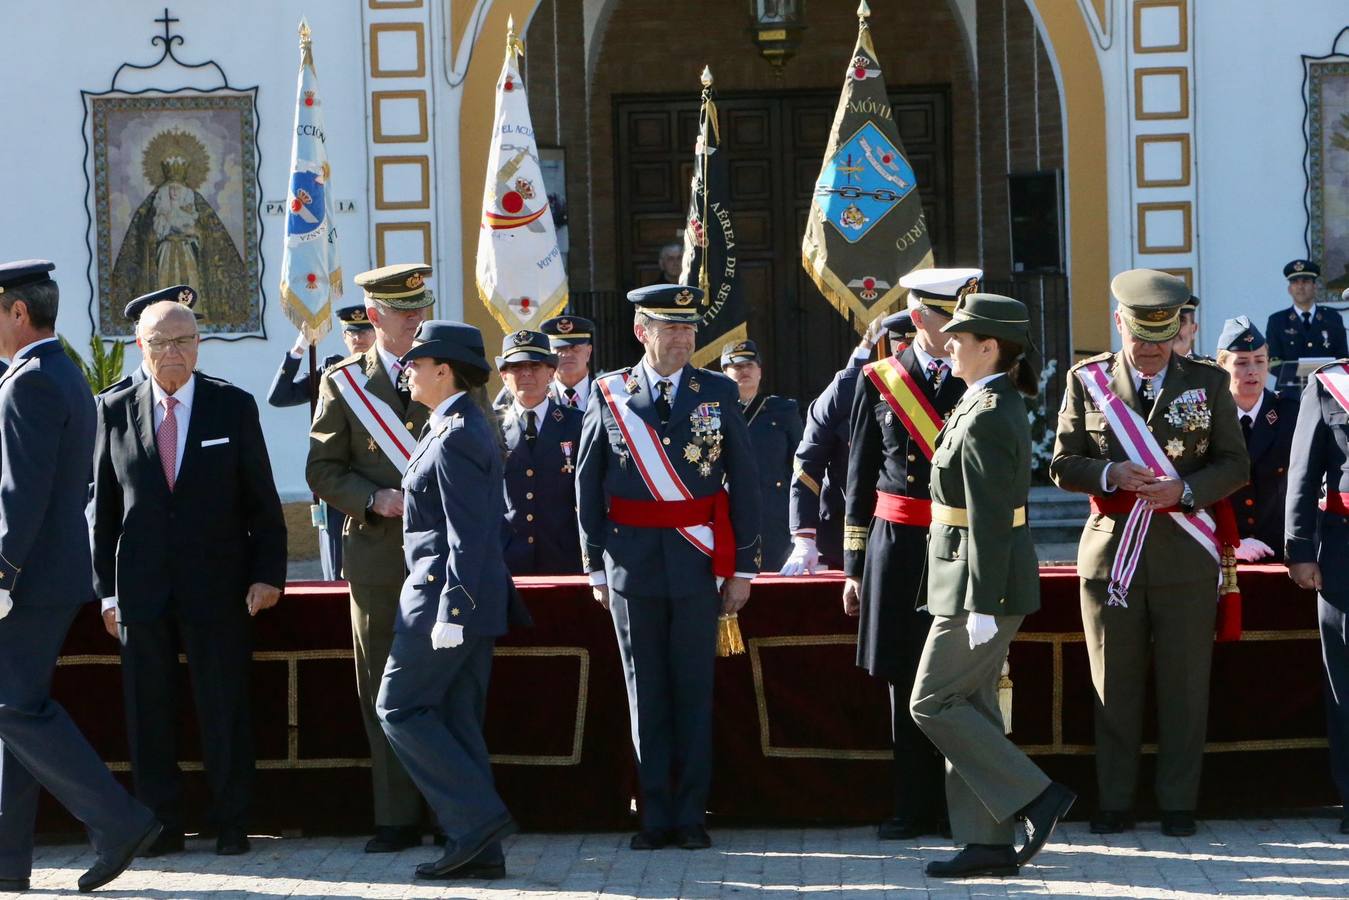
(213, 441)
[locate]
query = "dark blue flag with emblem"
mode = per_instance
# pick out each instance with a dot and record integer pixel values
(709, 239)
(865, 229)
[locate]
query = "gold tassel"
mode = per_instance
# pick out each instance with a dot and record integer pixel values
(1229, 573)
(1005, 697)
(729, 642)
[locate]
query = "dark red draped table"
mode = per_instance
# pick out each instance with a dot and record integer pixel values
(801, 732)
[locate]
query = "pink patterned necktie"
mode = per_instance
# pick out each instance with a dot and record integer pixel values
(167, 440)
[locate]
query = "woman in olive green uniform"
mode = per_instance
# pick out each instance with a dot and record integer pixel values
(983, 579)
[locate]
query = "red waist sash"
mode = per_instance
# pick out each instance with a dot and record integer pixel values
(714, 510)
(1121, 503)
(903, 510)
(1336, 503)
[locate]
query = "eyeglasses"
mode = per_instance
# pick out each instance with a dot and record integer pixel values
(159, 346)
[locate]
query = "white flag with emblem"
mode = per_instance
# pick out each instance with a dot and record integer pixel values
(520, 273)
(311, 276)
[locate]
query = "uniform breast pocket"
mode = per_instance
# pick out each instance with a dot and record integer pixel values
(418, 480)
(944, 456)
(947, 543)
(1098, 430)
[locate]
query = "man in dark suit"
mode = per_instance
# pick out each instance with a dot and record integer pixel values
(667, 550)
(898, 408)
(46, 442)
(1305, 329)
(542, 439)
(820, 469)
(1267, 423)
(289, 388)
(189, 543)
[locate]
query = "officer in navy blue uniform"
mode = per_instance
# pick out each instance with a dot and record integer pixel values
(1305, 329)
(572, 339)
(542, 439)
(1267, 423)
(820, 472)
(289, 388)
(665, 594)
(47, 426)
(179, 293)
(1316, 545)
(884, 558)
(453, 604)
(774, 431)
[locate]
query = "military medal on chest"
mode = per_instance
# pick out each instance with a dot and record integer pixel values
(567, 465)
(1175, 448)
(705, 447)
(1190, 411)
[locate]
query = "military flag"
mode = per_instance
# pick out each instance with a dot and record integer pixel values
(520, 274)
(311, 275)
(865, 228)
(709, 239)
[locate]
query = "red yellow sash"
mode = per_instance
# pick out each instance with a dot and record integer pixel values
(905, 397)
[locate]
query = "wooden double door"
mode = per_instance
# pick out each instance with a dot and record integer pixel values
(775, 145)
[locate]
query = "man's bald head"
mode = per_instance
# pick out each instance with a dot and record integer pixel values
(166, 313)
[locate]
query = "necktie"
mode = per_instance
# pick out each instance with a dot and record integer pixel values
(666, 389)
(531, 427)
(400, 385)
(1147, 393)
(166, 439)
(1246, 424)
(571, 397)
(936, 373)
(1306, 320)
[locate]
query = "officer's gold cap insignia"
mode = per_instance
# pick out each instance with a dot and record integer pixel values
(521, 338)
(1153, 315)
(1299, 266)
(683, 298)
(358, 316)
(414, 280)
(564, 326)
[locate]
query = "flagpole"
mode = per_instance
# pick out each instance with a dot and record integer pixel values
(307, 59)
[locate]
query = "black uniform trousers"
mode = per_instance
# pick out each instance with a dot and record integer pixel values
(42, 747)
(219, 657)
(668, 648)
(1335, 659)
(891, 634)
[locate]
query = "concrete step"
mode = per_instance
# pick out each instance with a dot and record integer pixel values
(1056, 553)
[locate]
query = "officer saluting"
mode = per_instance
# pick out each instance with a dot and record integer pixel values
(363, 434)
(667, 549)
(900, 404)
(1305, 329)
(774, 431)
(47, 426)
(542, 440)
(1144, 430)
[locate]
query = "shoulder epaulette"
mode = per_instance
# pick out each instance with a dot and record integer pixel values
(1338, 362)
(1100, 357)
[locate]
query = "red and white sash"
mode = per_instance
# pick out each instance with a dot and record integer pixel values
(378, 417)
(1142, 448)
(648, 453)
(1335, 379)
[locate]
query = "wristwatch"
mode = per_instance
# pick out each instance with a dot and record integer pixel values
(1186, 497)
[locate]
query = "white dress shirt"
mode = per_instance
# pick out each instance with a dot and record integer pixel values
(519, 411)
(581, 387)
(925, 359)
(390, 361)
(1253, 411)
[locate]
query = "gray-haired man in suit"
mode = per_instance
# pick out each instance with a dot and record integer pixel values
(46, 445)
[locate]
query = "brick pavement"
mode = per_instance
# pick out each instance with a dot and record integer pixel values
(1279, 858)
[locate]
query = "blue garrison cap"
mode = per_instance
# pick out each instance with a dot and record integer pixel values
(1240, 335)
(568, 331)
(669, 302)
(526, 346)
(179, 293)
(899, 325)
(1301, 268)
(455, 341)
(354, 318)
(25, 272)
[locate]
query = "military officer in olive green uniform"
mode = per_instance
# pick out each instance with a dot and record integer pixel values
(1177, 410)
(983, 579)
(364, 431)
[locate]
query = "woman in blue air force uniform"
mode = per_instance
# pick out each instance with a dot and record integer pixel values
(453, 605)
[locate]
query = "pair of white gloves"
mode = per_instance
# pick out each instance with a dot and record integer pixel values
(446, 636)
(1253, 549)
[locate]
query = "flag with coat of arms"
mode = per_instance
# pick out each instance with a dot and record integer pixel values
(865, 228)
(311, 275)
(520, 275)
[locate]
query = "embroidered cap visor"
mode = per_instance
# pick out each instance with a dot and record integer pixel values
(400, 286)
(1153, 326)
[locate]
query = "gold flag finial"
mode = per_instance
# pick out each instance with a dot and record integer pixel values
(306, 44)
(513, 44)
(707, 76)
(304, 32)
(863, 11)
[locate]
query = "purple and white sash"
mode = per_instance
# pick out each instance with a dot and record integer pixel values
(1142, 448)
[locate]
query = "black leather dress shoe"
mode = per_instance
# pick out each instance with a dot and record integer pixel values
(692, 837)
(489, 865)
(1041, 815)
(114, 862)
(13, 885)
(1178, 823)
(393, 838)
(904, 828)
(974, 860)
(465, 850)
(650, 839)
(169, 841)
(231, 840)
(1110, 821)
